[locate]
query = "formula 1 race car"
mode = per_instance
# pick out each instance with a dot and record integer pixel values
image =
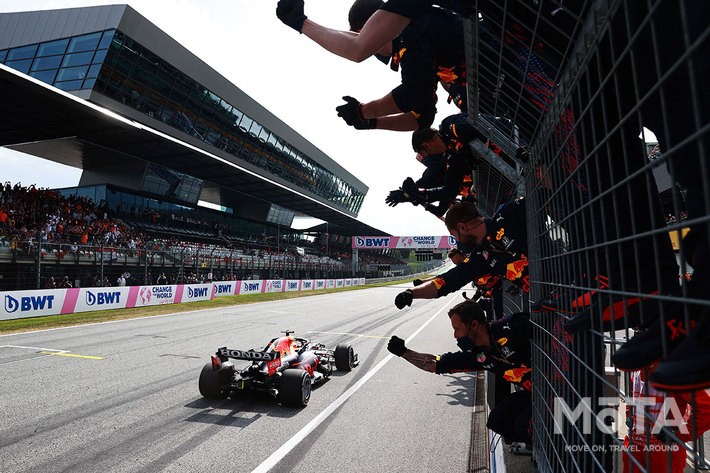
(286, 369)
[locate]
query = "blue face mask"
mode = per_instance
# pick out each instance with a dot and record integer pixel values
(465, 344)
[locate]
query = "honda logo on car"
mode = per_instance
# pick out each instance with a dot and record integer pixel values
(368, 242)
(196, 292)
(28, 303)
(247, 355)
(103, 297)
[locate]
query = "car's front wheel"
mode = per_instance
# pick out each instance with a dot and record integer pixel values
(344, 357)
(212, 383)
(295, 388)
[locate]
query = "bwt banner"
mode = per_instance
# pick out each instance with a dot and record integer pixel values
(251, 287)
(226, 288)
(293, 285)
(97, 298)
(21, 304)
(194, 293)
(374, 243)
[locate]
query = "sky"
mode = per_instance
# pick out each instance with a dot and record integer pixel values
(291, 76)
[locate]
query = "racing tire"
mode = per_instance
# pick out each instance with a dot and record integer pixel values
(344, 357)
(295, 388)
(212, 384)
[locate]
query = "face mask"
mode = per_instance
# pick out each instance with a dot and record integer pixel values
(465, 344)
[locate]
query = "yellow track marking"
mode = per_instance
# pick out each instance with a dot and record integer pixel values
(88, 357)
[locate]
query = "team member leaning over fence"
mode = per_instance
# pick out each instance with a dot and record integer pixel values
(499, 248)
(450, 142)
(501, 347)
(428, 48)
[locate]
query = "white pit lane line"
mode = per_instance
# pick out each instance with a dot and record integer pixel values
(291, 443)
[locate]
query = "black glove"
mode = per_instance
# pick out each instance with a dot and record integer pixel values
(417, 282)
(409, 186)
(290, 12)
(396, 197)
(351, 112)
(404, 298)
(396, 346)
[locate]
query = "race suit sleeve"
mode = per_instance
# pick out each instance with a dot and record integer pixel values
(417, 92)
(458, 276)
(457, 362)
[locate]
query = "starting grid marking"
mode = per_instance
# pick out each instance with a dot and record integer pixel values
(53, 352)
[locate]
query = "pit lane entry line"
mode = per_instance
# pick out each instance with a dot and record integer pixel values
(291, 443)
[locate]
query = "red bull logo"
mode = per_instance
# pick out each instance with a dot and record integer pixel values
(515, 375)
(516, 269)
(447, 74)
(284, 345)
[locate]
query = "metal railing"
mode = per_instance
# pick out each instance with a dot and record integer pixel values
(24, 265)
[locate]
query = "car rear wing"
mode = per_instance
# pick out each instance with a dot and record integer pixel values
(249, 355)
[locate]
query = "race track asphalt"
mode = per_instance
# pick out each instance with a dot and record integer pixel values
(123, 397)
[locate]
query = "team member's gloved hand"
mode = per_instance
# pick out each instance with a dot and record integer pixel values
(417, 282)
(351, 112)
(396, 197)
(290, 12)
(404, 298)
(409, 186)
(396, 346)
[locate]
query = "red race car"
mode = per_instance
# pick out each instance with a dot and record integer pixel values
(286, 369)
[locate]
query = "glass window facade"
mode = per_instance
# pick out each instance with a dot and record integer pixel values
(115, 65)
(68, 64)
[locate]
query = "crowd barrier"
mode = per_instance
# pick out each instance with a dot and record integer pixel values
(36, 303)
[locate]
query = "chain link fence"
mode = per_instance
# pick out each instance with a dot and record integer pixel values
(610, 102)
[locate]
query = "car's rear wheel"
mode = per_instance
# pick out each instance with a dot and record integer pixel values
(214, 383)
(295, 388)
(344, 357)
